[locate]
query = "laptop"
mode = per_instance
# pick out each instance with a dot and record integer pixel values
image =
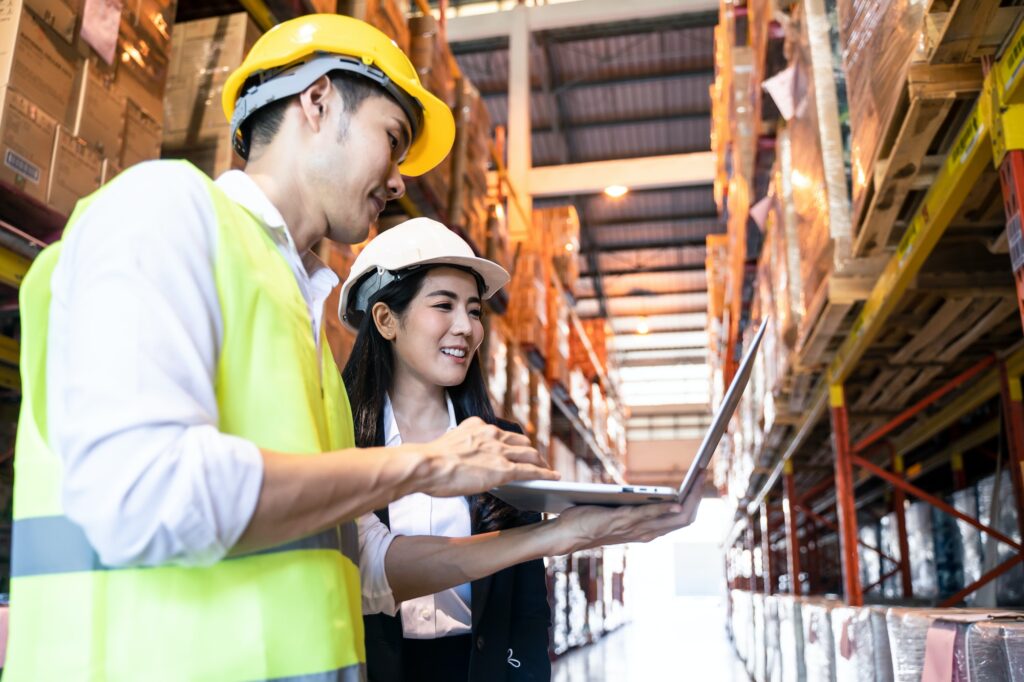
(557, 496)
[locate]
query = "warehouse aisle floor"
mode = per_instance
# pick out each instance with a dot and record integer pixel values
(675, 595)
(684, 641)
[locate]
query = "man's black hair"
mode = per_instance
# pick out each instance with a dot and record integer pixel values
(263, 124)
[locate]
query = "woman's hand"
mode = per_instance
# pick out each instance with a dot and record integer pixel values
(588, 526)
(475, 457)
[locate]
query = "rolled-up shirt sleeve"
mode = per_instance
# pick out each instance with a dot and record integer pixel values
(134, 336)
(375, 539)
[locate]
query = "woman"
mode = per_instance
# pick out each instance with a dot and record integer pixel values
(413, 375)
(458, 582)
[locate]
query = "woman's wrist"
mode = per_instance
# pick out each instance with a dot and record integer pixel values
(562, 537)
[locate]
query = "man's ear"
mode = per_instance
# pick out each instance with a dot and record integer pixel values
(384, 320)
(315, 101)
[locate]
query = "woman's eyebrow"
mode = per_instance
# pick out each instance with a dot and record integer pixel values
(452, 295)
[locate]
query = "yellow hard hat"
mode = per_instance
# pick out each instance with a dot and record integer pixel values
(291, 56)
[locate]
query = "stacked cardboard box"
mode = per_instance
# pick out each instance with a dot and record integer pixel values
(517, 397)
(528, 303)
(205, 53)
(68, 120)
(579, 393)
(387, 15)
(468, 204)
(495, 362)
(559, 228)
(433, 60)
(540, 412)
(557, 346)
(599, 415)
(595, 331)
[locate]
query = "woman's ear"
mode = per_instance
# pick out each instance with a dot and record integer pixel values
(384, 320)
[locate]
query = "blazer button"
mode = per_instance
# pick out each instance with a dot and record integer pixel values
(480, 643)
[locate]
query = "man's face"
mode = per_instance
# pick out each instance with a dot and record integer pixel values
(353, 166)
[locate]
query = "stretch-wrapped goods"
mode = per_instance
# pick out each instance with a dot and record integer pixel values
(908, 636)
(819, 181)
(993, 651)
(791, 639)
(880, 39)
(861, 644)
(773, 661)
(997, 507)
(819, 644)
(921, 543)
(892, 588)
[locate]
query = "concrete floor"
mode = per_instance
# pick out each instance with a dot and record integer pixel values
(683, 640)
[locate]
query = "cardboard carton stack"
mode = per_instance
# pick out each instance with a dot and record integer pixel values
(205, 53)
(70, 117)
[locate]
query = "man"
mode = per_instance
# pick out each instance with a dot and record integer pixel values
(185, 476)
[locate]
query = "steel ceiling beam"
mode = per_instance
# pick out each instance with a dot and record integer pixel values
(641, 270)
(567, 17)
(585, 83)
(646, 172)
(628, 121)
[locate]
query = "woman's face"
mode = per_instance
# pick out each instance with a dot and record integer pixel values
(441, 330)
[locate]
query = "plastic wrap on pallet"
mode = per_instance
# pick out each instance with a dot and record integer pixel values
(791, 639)
(861, 644)
(971, 551)
(997, 508)
(743, 625)
(908, 636)
(921, 544)
(819, 644)
(880, 38)
(819, 181)
(991, 651)
(773, 661)
(869, 560)
(757, 610)
(949, 571)
(892, 588)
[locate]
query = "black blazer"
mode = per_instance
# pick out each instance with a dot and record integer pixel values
(510, 612)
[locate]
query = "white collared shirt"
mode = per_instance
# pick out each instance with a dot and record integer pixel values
(443, 614)
(135, 334)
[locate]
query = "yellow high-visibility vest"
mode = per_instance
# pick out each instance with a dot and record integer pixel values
(289, 613)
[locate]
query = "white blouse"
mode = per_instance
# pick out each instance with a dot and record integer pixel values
(443, 614)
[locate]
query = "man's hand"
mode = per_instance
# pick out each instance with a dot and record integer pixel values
(475, 457)
(587, 526)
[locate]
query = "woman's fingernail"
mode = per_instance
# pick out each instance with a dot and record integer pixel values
(675, 509)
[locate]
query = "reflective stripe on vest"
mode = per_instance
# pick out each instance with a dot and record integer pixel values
(353, 673)
(287, 613)
(52, 544)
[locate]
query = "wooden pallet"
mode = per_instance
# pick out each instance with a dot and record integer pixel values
(958, 34)
(830, 312)
(929, 94)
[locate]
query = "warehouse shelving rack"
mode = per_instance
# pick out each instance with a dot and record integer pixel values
(990, 138)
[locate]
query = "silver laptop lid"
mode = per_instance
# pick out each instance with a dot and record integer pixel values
(721, 421)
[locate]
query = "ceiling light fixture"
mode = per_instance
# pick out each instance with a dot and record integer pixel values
(616, 191)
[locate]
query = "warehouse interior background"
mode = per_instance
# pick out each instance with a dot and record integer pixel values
(661, 176)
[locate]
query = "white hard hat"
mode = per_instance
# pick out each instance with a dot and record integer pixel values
(416, 242)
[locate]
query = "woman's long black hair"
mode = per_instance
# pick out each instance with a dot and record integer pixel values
(369, 374)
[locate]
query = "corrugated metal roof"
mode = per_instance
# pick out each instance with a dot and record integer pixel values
(600, 93)
(634, 55)
(646, 259)
(656, 231)
(675, 136)
(675, 202)
(643, 283)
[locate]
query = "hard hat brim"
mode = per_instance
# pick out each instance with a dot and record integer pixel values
(493, 275)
